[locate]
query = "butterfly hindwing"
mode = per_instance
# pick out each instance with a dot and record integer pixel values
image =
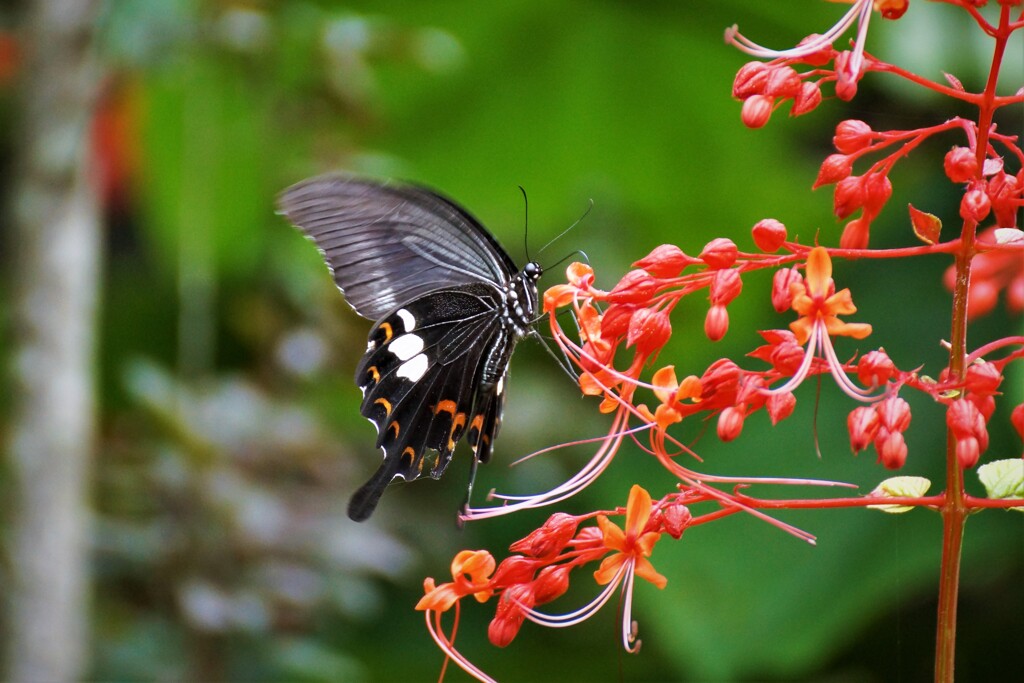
(420, 379)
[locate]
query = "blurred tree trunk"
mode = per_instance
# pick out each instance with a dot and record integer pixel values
(57, 247)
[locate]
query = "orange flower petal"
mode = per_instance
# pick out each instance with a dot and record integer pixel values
(840, 303)
(609, 568)
(819, 271)
(838, 328)
(440, 599)
(801, 327)
(665, 383)
(638, 510)
(614, 537)
(645, 570)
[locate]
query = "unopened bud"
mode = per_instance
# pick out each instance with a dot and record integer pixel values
(769, 235)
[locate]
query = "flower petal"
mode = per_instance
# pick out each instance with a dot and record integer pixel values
(614, 537)
(609, 568)
(819, 271)
(645, 570)
(638, 510)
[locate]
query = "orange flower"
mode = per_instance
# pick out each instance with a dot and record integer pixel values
(820, 306)
(815, 301)
(633, 546)
(471, 571)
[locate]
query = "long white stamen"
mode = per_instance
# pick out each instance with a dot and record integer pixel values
(583, 613)
(855, 13)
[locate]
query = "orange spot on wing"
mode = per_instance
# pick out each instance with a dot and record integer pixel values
(387, 405)
(447, 407)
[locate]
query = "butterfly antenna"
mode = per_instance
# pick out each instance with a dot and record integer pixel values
(590, 205)
(526, 223)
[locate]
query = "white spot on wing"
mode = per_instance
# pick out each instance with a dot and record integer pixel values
(406, 346)
(408, 319)
(501, 386)
(414, 368)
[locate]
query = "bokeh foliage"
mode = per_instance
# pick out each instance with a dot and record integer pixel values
(231, 436)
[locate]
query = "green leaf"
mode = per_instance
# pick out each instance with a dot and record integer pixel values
(1003, 479)
(900, 487)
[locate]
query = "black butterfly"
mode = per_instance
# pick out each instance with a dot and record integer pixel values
(449, 306)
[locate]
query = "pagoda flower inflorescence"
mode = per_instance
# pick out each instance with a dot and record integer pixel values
(616, 339)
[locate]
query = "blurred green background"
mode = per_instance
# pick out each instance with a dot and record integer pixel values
(229, 435)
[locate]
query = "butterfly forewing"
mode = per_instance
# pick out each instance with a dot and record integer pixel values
(387, 245)
(449, 305)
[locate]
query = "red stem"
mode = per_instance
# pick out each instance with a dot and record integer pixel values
(954, 509)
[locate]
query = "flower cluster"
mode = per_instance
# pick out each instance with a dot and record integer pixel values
(763, 86)
(540, 569)
(617, 336)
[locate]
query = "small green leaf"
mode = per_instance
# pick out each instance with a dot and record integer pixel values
(1003, 479)
(900, 487)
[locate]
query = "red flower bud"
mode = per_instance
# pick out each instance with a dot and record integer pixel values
(726, 285)
(719, 253)
(875, 368)
(780, 406)
(674, 519)
(515, 569)
(1017, 419)
(961, 418)
(510, 614)
(862, 422)
(877, 190)
(892, 449)
(836, 167)
(894, 413)
(975, 205)
(852, 136)
(756, 111)
(716, 322)
(807, 99)
(552, 583)
(787, 357)
(968, 450)
(769, 235)
(730, 423)
(848, 196)
(891, 9)
(666, 261)
(648, 330)
(960, 165)
(750, 80)
(783, 81)
(983, 378)
(1015, 295)
(986, 405)
(719, 384)
(1003, 190)
(846, 83)
(820, 58)
(782, 283)
(549, 539)
(615, 321)
(856, 234)
(982, 297)
(635, 287)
